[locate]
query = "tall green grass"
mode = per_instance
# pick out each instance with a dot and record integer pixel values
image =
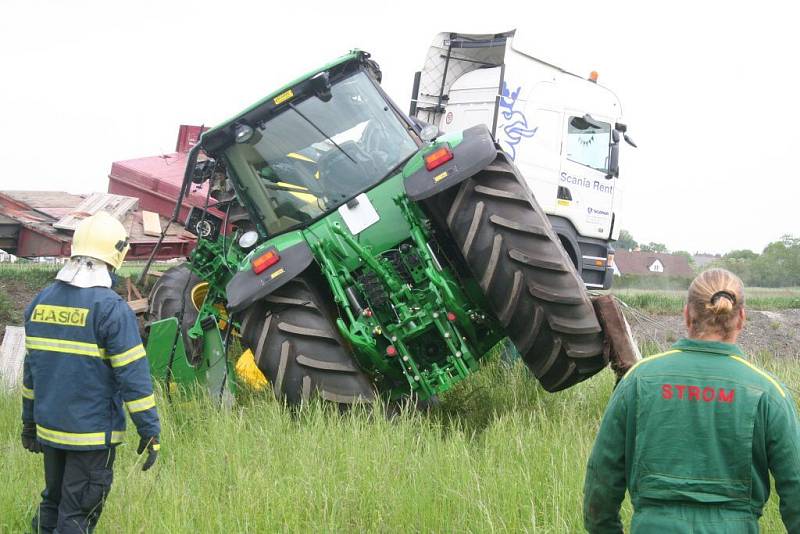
(672, 301)
(497, 455)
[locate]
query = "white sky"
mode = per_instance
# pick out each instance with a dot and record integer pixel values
(709, 92)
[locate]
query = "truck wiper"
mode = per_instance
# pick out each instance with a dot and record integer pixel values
(326, 136)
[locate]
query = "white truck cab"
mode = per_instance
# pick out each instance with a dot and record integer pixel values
(561, 130)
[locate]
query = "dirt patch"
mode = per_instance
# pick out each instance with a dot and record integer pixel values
(14, 296)
(777, 332)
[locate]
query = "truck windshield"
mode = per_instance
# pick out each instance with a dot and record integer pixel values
(312, 157)
(588, 142)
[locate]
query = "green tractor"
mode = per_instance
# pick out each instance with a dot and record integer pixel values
(363, 254)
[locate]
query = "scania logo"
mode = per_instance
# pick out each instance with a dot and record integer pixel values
(596, 211)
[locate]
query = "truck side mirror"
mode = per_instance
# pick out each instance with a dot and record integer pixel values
(613, 156)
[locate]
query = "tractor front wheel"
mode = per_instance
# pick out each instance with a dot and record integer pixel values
(296, 345)
(171, 296)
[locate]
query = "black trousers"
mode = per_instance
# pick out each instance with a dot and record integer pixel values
(76, 486)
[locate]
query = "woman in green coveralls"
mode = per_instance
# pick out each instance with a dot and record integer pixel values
(694, 432)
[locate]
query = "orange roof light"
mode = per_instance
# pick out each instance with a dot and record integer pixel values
(265, 261)
(593, 76)
(438, 157)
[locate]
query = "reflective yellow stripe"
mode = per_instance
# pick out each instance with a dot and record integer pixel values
(71, 438)
(649, 359)
(157, 447)
(64, 346)
(140, 405)
(759, 371)
(129, 356)
(301, 157)
(27, 393)
(117, 436)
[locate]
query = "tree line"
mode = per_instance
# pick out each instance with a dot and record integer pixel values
(778, 265)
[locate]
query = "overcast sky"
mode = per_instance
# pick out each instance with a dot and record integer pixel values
(709, 93)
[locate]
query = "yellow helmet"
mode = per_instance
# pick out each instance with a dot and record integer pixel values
(101, 237)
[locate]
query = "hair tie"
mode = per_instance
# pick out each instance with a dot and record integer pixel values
(719, 294)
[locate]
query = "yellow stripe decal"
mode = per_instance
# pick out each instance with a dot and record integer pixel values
(129, 356)
(283, 97)
(27, 393)
(759, 371)
(648, 359)
(140, 405)
(71, 438)
(64, 346)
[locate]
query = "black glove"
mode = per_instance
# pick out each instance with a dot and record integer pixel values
(29, 440)
(152, 445)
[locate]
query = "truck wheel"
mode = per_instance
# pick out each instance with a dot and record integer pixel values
(171, 294)
(296, 345)
(526, 275)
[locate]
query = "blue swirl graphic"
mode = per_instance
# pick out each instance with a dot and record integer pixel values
(516, 125)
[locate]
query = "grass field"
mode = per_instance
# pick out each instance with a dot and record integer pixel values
(497, 455)
(671, 301)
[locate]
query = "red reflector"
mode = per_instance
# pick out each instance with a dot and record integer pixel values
(451, 316)
(265, 261)
(391, 351)
(438, 157)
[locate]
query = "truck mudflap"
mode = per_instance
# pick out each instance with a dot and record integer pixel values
(166, 353)
(248, 287)
(473, 154)
(619, 346)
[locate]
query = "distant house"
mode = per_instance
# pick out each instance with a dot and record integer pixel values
(651, 263)
(5, 257)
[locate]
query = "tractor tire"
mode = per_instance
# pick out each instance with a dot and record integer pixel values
(171, 296)
(298, 347)
(525, 273)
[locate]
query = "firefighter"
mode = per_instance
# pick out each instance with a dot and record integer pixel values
(84, 367)
(693, 433)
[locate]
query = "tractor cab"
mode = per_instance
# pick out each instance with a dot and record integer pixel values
(314, 145)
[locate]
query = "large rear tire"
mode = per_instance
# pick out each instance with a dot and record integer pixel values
(296, 345)
(525, 273)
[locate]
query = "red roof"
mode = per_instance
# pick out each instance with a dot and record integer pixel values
(640, 263)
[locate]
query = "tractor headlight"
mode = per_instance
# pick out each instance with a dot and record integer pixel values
(243, 133)
(248, 239)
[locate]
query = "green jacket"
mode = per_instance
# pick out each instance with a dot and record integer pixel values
(693, 433)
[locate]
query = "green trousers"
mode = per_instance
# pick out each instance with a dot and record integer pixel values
(694, 519)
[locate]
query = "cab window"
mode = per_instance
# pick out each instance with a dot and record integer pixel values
(588, 141)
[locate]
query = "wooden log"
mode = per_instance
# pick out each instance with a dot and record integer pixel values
(133, 290)
(620, 347)
(139, 305)
(12, 355)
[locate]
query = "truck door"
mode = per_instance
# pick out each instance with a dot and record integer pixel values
(586, 196)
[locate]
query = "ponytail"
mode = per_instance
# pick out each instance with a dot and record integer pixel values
(715, 298)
